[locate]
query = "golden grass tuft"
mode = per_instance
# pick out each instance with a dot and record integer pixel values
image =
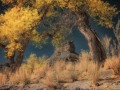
(39, 74)
(64, 71)
(21, 76)
(114, 64)
(87, 68)
(50, 78)
(3, 79)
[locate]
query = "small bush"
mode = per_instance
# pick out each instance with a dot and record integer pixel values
(29, 72)
(21, 76)
(50, 78)
(114, 64)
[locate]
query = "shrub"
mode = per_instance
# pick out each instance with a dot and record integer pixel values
(114, 64)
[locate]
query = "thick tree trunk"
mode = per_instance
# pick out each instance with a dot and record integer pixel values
(20, 54)
(19, 59)
(97, 50)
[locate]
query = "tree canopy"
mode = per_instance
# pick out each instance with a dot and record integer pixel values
(19, 22)
(18, 26)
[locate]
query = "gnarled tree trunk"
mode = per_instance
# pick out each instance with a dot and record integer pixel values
(20, 54)
(97, 50)
(19, 58)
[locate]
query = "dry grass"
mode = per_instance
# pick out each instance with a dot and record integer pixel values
(3, 78)
(50, 78)
(87, 68)
(64, 71)
(29, 72)
(37, 70)
(114, 64)
(38, 74)
(21, 76)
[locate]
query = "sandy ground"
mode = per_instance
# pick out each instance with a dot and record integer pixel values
(106, 82)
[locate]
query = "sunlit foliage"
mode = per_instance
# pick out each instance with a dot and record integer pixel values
(18, 27)
(101, 11)
(7, 1)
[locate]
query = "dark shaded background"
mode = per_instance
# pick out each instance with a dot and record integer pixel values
(76, 36)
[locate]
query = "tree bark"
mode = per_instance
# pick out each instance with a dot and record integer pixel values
(116, 31)
(20, 54)
(19, 58)
(97, 50)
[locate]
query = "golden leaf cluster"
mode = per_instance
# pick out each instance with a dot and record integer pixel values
(17, 26)
(102, 12)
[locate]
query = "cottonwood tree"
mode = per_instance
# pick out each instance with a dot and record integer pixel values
(102, 12)
(18, 27)
(16, 30)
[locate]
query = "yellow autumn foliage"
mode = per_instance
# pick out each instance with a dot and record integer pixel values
(102, 12)
(17, 26)
(7, 1)
(99, 10)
